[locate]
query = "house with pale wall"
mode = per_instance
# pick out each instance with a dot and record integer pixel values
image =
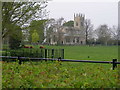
(70, 35)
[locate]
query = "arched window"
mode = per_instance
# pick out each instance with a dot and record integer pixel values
(81, 42)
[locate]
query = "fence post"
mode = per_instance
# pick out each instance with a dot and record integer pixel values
(59, 59)
(41, 53)
(114, 64)
(46, 54)
(52, 53)
(20, 61)
(62, 53)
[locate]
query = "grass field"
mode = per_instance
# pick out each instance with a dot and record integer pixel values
(65, 74)
(94, 52)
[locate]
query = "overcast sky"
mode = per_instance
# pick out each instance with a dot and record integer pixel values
(100, 12)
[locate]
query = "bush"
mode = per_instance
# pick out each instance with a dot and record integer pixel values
(14, 43)
(15, 38)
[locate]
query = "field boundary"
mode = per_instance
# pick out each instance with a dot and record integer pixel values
(23, 59)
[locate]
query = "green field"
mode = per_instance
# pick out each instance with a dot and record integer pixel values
(94, 52)
(65, 74)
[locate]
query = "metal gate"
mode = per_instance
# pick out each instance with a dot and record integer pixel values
(36, 53)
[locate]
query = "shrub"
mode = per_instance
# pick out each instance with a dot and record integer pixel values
(15, 38)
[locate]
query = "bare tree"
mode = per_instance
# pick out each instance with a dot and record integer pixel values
(114, 32)
(103, 34)
(88, 30)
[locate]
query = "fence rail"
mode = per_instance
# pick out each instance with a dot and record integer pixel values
(23, 59)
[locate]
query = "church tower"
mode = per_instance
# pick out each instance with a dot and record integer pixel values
(79, 21)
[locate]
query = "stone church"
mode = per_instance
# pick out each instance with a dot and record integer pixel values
(70, 35)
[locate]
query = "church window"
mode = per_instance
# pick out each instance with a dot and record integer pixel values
(67, 39)
(81, 23)
(76, 23)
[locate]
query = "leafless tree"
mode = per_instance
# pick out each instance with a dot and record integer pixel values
(114, 32)
(88, 30)
(103, 34)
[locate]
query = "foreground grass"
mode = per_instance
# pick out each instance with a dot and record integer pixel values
(59, 75)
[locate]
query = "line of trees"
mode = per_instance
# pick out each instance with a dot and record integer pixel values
(107, 35)
(103, 35)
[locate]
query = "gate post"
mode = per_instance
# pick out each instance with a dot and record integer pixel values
(114, 64)
(62, 53)
(45, 54)
(52, 53)
(59, 59)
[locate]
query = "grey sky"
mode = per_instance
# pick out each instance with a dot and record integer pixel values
(98, 12)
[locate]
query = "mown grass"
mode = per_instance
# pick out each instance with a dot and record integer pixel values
(65, 74)
(89, 52)
(86, 52)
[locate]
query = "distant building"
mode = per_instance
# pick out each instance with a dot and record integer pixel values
(69, 35)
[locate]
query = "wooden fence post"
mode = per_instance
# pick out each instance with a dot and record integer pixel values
(114, 64)
(20, 61)
(59, 59)
(46, 54)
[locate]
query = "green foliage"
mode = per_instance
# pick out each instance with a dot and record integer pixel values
(15, 38)
(58, 75)
(35, 37)
(37, 25)
(25, 52)
(69, 24)
(19, 13)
